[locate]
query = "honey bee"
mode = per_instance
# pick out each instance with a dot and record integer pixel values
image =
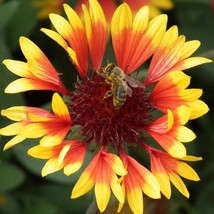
(119, 81)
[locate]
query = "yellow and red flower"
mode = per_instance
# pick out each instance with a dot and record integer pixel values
(56, 6)
(155, 6)
(158, 106)
(109, 7)
(48, 6)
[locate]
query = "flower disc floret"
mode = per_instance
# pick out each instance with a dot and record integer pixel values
(100, 120)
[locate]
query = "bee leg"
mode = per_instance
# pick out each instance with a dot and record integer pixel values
(108, 94)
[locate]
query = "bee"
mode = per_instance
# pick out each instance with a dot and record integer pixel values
(120, 84)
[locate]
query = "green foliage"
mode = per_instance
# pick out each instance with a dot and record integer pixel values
(7, 10)
(11, 177)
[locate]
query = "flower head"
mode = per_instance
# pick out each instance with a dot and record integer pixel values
(110, 6)
(111, 110)
(155, 6)
(48, 6)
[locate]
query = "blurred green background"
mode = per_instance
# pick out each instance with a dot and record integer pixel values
(23, 191)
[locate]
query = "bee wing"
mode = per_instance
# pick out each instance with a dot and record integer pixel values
(134, 82)
(129, 91)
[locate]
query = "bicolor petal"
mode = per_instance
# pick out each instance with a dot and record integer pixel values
(172, 54)
(167, 168)
(73, 33)
(134, 40)
(101, 173)
(108, 7)
(37, 73)
(171, 139)
(68, 155)
(38, 123)
(138, 180)
(96, 30)
(170, 93)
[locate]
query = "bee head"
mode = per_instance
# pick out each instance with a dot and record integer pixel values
(109, 68)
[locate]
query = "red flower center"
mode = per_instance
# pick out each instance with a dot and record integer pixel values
(100, 120)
